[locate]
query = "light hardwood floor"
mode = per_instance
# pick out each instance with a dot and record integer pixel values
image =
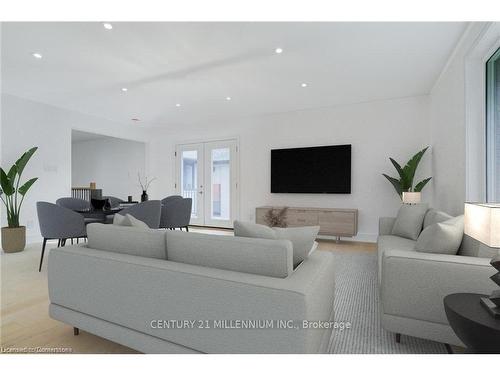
(24, 319)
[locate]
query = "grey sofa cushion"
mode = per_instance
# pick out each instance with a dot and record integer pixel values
(302, 239)
(433, 216)
(250, 255)
(246, 229)
(148, 243)
(136, 223)
(442, 238)
(409, 221)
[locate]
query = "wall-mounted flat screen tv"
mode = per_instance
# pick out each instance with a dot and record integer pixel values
(311, 170)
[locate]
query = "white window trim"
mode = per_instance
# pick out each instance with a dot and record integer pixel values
(482, 49)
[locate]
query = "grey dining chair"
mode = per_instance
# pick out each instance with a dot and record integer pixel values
(176, 213)
(148, 212)
(75, 204)
(113, 201)
(58, 223)
(171, 198)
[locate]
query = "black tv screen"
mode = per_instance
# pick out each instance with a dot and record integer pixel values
(316, 170)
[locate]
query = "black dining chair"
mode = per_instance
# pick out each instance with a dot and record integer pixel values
(148, 212)
(176, 213)
(58, 223)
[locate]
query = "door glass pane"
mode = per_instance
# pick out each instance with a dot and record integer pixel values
(493, 127)
(221, 184)
(189, 178)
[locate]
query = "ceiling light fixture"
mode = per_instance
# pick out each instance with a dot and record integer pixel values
(135, 119)
(228, 98)
(304, 84)
(124, 89)
(278, 50)
(37, 55)
(178, 105)
(107, 26)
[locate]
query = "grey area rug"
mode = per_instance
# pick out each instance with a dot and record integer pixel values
(357, 301)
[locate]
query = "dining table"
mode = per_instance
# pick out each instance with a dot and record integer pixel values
(98, 215)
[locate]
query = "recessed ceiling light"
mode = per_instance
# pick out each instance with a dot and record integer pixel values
(178, 105)
(278, 50)
(37, 55)
(304, 85)
(124, 89)
(228, 98)
(107, 26)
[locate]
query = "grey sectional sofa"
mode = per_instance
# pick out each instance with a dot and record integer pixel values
(413, 284)
(130, 285)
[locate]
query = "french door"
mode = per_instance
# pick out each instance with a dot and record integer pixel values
(207, 173)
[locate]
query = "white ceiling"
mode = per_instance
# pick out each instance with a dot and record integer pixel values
(198, 65)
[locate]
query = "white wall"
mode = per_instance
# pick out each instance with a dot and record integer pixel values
(457, 126)
(111, 163)
(26, 124)
(376, 130)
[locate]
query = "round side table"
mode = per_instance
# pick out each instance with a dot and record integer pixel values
(477, 329)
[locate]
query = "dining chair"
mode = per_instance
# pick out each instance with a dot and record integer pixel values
(75, 204)
(58, 223)
(113, 201)
(148, 212)
(176, 213)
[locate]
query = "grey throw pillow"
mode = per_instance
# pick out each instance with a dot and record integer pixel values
(245, 229)
(442, 238)
(302, 239)
(121, 220)
(136, 222)
(409, 221)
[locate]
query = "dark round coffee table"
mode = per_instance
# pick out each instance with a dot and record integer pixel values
(477, 329)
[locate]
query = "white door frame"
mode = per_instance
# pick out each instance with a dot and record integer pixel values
(204, 148)
(198, 211)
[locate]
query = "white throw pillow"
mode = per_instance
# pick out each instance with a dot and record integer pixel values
(302, 239)
(136, 222)
(121, 220)
(442, 238)
(409, 221)
(246, 229)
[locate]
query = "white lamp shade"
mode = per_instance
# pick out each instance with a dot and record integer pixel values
(482, 222)
(411, 197)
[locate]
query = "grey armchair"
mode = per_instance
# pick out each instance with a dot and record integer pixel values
(113, 201)
(148, 212)
(75, 204)
(176, 213)
(58, 223)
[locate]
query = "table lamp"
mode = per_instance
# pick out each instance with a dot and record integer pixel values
(482, 222)
(411, 197)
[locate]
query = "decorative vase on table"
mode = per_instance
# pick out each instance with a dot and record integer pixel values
(144, 196)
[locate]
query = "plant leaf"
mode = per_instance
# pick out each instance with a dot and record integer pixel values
(395, 182)
(12, 173)
(421, 184)
(24, 189)
(23, 160)
(411, 167)
(6, 183)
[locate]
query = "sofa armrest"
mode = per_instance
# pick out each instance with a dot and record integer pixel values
(385, 225)
(414, 284)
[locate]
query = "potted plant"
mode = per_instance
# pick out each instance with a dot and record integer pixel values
(12, 196)
(407, 174)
